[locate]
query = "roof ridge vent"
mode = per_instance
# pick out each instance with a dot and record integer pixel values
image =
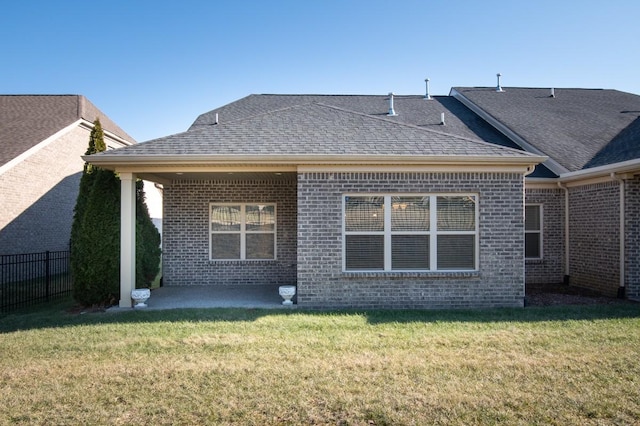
(553, 93)
(498, 87)
(427, 95)
(391, 112)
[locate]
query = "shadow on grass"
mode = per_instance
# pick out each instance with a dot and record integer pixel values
(60, 315)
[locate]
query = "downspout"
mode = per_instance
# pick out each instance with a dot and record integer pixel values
(566, 233)
(621, 288)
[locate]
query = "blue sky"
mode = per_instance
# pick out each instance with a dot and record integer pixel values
(153, 66)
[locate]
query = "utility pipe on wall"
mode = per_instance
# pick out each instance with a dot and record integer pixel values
(621, 288)
(566, 232)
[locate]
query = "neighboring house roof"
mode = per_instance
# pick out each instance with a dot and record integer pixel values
(313, 133)
(576, 128)
(27, 120)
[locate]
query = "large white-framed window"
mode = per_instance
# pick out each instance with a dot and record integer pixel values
(533, 231)
(242, 231)
(410, 232)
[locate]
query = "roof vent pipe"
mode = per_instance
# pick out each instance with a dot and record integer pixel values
(427, 96)
(499, 88)
(442, 119)
(553, 93)
(216, 122)
(391, 112)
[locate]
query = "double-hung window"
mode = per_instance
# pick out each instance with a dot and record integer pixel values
(242, 231)
(533, 231)
(420, 232)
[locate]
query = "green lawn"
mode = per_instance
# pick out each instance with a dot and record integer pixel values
(559, 365)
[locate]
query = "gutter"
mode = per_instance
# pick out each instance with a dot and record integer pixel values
(628, 166)
(105, 159)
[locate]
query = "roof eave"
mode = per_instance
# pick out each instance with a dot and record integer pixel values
(115, 162)
(629, 166)
(305, 158)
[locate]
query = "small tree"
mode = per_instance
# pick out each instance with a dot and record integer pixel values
(98, 280)
(79, 258)
(95, 235)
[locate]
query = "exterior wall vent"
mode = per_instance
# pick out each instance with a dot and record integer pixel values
(427, 95)
(499, 87)
(391, 112)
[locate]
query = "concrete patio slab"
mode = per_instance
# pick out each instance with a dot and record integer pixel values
(264, 297)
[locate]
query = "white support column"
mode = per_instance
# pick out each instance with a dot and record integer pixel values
(127, 238)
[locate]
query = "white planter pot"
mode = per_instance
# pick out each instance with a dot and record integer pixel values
(287, 292)
(140, 296)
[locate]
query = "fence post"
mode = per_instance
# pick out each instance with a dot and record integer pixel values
(47, 274)
(3, 296)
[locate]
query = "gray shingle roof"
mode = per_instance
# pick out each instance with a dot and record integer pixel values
(312, 129)
(412, 109)
(578, 128)
(26, 120)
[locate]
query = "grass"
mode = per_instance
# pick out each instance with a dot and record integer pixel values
(555, 365)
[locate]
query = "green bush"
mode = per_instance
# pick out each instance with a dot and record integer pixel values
(97, 280)
(95, 235)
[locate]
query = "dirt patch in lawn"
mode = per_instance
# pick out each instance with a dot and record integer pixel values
(561, 294)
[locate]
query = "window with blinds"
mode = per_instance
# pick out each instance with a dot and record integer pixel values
(410, 232)
(533, 231)
(242, 231)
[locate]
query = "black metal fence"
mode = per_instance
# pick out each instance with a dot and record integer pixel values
(28, 279)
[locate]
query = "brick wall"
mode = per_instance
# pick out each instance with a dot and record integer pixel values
(39, 194)
(594, 234)
(186, 233)
(632, 230)
(498, 283)
(549, 269)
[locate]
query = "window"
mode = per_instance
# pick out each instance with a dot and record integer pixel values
(242, 231)
(533, 231)
(410, 232)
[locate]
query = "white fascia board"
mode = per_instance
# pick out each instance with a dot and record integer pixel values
(588, 176)
(121, 141)
(629, 166)
(34, 149)
(159, 162)
(553, 165)
(540, 183)
(415, 168)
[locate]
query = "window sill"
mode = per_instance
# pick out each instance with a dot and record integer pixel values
(425, 274)
(240, 261)
(533, 261)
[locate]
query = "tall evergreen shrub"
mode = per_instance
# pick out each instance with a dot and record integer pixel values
(99, 280)
(79, 259)
(95, 236)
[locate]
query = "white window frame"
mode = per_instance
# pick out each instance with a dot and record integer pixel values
(433, 232)
(539, 231)
(243, 232)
